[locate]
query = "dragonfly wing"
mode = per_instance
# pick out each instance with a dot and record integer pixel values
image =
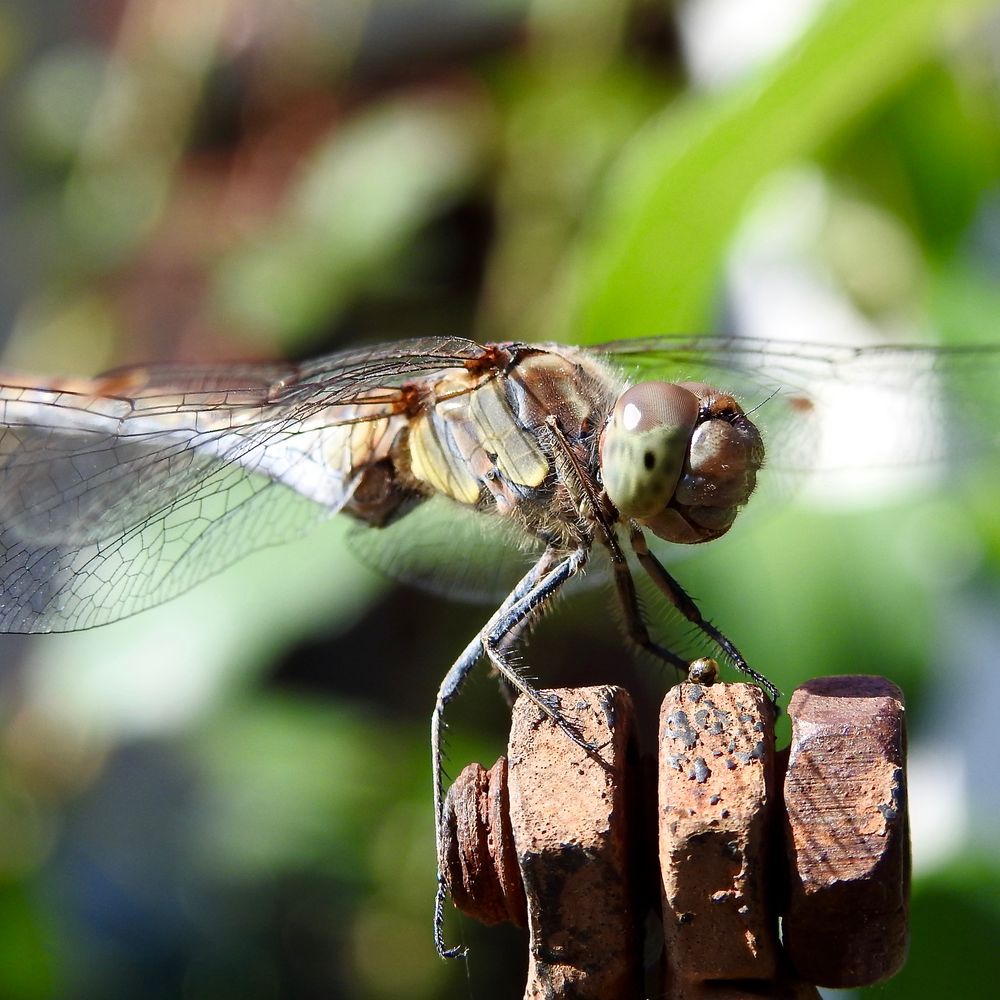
(120, 492)
(835, 407)
(100, 518)
(51, 587)
(449, 550)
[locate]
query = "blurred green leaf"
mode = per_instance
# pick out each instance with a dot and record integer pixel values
(294, 814)
(56, 100)
(931, 154)
(27, 965)
(11, 40)
(787, 587)
(964, 301)
(954, 928)
(651, 261)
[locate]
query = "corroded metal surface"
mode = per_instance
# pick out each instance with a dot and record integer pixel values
(716, 799)
(569, 813)
(848, 838)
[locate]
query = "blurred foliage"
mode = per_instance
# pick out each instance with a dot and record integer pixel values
(955, 923)
(230, 796)
(674, 194)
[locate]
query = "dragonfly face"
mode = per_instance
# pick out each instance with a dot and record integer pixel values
(117, 493)
(682, 458)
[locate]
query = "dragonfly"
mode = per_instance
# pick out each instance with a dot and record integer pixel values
(120, 491)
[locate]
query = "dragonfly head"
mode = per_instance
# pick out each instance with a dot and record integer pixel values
(681, 458)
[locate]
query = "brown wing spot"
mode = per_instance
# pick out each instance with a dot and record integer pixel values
(121, 382)
(493, 358)
(413, 398)
(801, 404)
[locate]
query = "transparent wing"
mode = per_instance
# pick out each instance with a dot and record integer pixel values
(120, 492)
(828, 408)
(449, 550)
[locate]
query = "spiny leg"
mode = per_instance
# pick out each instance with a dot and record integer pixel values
(677, 596)
(512, 640)
(496, 642)
(447, 692)
(635, 627)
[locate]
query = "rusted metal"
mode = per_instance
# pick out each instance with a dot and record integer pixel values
(552, 839)
(716, 799)
(848, 839)
(569, 814)
(554, 826)
(478, 859)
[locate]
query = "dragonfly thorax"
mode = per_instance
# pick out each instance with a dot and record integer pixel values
(681, 458)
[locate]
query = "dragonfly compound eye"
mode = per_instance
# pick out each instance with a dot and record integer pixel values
(680, 458)
(645, 444)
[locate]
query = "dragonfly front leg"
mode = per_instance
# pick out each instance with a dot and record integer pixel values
(679, 598)
(547, 574)
(589, 499)
(635, 627)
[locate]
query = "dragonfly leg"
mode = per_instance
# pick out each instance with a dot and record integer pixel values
(635, 627)
(679, 598)
(514, 638)
(447, 692)
(496, 640)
